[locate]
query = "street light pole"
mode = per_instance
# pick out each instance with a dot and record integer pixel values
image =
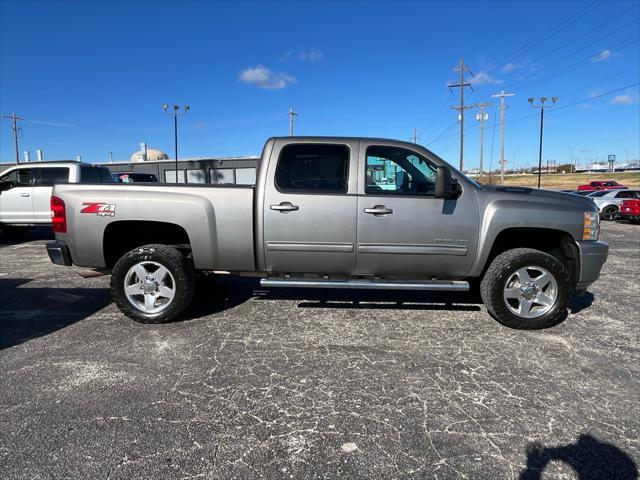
(542, 107)
(176, 112)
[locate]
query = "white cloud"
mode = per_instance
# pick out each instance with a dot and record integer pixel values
(261, 77)
(622, 100)
(510, 67)
(307, 54)
(310, 54)
(603, 55)
(482, 78)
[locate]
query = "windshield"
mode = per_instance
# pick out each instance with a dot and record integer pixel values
(600, 193)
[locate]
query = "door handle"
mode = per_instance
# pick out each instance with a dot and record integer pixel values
(285, 207)
(25, 194)
(378, 210)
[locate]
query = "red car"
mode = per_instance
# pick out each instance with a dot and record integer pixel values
(601, 185)
(630, 210)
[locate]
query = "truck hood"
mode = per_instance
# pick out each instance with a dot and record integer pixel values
(551, 197)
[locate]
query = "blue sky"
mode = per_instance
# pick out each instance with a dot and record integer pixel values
(90, 77)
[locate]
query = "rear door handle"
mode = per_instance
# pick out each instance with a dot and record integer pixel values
(378, 210)
(285, 207)
(25, 194)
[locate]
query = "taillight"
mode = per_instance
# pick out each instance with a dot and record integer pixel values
(58, 215)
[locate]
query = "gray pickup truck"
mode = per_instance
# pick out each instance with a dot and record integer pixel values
(336, 213)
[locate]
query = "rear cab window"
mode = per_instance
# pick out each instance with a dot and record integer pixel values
(95, 175)
(48, 176)
(21, 177)
(313, 168)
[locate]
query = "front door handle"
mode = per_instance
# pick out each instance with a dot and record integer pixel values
(378, 210)
(25, 194)
(285, 207)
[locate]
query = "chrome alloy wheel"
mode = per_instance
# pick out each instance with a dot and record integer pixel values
(530, 292)
(149, 287)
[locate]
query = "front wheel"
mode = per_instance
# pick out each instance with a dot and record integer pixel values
(526, 289)
(153, 284)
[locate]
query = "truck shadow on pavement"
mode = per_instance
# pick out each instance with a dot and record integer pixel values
(34, 234)
(28, 313)
(590, 459)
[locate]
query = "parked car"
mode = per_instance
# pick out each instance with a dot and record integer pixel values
(630, 210)
(608, 201)
(133, 177)
(25, 191)
(601, 185)
(313, 220)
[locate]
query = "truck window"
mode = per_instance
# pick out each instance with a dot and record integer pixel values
(15, 178)
(397, 171)
(313, 168)
(95, 175)
(46, 177)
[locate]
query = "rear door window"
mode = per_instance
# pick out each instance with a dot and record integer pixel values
(16, 178)
(46, 177)
(313, 168)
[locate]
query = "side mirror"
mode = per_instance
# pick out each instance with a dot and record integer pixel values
(447, 187)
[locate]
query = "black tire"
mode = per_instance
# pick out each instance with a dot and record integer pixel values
(609, 213)
(15, 232)
(501, 269)
(180, 267)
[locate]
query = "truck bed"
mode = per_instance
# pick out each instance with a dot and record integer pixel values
(218, 219)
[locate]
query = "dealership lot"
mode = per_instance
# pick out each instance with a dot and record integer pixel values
(307, 384)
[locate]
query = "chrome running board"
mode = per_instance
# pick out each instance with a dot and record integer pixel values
(433, 285)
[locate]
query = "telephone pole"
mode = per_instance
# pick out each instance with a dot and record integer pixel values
(542, 107)
(291, 115)
(175, 114)
(481, 116)
(16, 130)
(501, 95)
(415, 136)
(462, 68)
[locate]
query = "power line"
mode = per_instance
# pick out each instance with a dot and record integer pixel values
(462, 68)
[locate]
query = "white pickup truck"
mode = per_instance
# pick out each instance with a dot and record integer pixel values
(25, 191)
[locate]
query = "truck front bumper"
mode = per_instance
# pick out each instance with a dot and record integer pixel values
(592, 258)
(59, 253)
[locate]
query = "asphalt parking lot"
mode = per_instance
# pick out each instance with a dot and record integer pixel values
(308, 384)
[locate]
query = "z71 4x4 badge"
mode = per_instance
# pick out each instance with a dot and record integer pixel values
(101, 209)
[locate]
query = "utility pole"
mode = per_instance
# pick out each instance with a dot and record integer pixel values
(501, 95)
(291, 115)
(110, 157)
(415, 136)
(481, 116)
(541, 107)
(175, 114)
(462, 68)
(16, 130)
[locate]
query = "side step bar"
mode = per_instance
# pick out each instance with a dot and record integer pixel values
(433, 285)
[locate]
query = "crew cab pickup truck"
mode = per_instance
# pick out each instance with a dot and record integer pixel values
(341, 213)
(601, 185)
(25, 191)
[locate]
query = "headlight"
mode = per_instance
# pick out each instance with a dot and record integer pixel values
(591, 229)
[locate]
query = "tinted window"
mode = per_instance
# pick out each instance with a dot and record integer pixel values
(314, 168)
(16, 178)
(46, 177)
(90, 175)
(397, 171)
(600, 193)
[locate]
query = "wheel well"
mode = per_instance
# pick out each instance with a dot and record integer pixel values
(120, 237)
(557, 243)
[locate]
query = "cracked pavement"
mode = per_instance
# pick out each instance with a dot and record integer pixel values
(314, 384)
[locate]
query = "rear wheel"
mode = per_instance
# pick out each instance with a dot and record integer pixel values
(526, 289)
(153, 284)
(609, 213)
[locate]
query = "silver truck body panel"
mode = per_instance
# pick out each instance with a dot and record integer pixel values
(217, 219)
